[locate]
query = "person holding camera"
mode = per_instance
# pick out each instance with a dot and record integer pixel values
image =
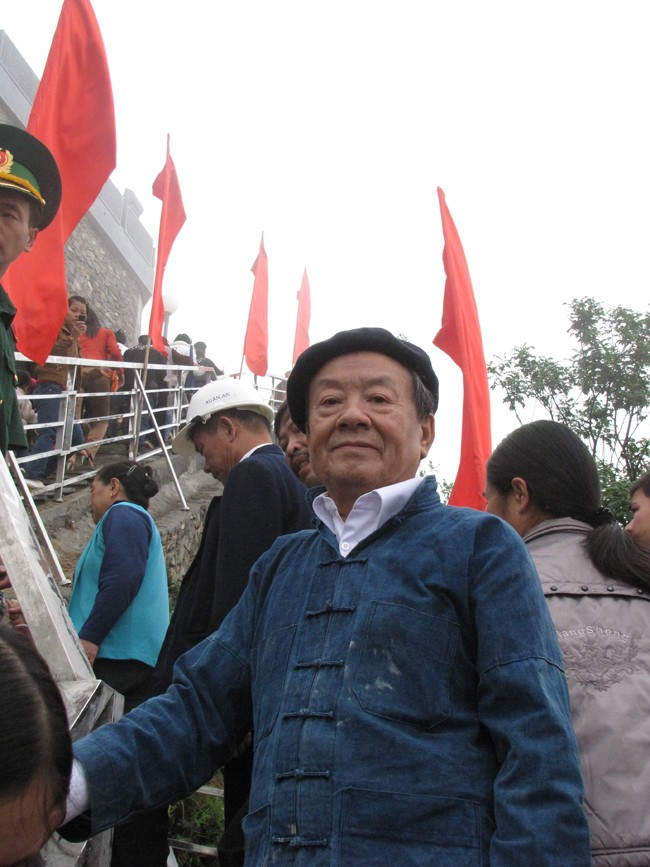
(52, 379)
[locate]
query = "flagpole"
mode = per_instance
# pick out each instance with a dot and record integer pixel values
(172, 217)
(72, 114)
(460, 338)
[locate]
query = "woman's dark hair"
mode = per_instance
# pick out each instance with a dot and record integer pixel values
(34, 735)
(137, 480)
(78, 298)
(562, 479)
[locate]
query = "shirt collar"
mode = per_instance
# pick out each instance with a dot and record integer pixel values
(254, 449)
(370, 512)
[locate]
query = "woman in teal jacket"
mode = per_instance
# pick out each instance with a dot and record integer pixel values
(119, 604)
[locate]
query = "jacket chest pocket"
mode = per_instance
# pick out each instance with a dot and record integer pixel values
(405, 665)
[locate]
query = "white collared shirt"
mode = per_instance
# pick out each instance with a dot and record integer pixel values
(369, 513)
(254, 449)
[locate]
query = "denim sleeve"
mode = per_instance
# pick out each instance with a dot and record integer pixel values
(170, 745)
(523, 703)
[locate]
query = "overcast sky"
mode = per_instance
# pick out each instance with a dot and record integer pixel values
(329, 126)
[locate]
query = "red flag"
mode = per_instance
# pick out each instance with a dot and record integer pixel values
(460, 337)
(256, 341)
(302, 322)
(172, 217)
(73, 115)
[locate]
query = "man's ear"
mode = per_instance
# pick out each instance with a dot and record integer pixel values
(228, 426)
(33, 233)
(428, 427)
(521, 493)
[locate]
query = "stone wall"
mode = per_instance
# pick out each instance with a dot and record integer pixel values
(94, 272)
(180, 541)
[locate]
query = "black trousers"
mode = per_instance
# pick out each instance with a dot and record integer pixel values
(141, 841)
(236, 787)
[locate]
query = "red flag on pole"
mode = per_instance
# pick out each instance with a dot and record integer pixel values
(301, 341)
(73, 115)
(257, 330)
(460, 337)
(172, 217)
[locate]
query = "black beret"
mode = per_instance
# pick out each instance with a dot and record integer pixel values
(357, 340)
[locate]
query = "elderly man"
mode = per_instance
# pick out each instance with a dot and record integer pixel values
(399, 661)
(30, 193)
(293, 443)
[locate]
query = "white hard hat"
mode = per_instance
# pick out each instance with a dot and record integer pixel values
(217, 396)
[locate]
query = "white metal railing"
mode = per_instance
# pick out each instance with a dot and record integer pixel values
(135, 419)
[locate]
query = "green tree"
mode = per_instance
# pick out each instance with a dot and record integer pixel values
(602, 391)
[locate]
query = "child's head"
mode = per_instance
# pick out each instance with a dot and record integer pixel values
(24, 379)
(639, 525)
(35, 750)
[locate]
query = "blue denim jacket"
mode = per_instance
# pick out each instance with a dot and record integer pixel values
(409, 705)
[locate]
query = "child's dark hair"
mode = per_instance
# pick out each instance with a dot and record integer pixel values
(23, 377)
(34, 735)
(137, 480)
(641, 484)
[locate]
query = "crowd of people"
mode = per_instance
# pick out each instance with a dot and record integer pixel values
(103, 391)
(383, 678)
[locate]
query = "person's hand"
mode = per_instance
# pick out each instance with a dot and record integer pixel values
(75, 325)
(91, 650)
(15, 612)
(106, 372)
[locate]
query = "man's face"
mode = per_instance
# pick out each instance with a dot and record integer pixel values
(639, 526)
(16, 235)
(363, 431)
(217, 447)
(293, 443)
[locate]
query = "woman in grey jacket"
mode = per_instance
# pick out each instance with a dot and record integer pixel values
(543, 481)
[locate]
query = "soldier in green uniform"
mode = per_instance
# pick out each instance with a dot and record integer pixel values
(30, 194)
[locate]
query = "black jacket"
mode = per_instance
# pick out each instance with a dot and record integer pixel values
(262, 499)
